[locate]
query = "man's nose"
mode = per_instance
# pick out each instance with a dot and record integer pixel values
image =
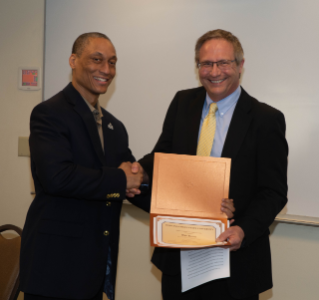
(215, 71)
(105, 68)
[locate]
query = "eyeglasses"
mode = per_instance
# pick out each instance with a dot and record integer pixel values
(221, 65)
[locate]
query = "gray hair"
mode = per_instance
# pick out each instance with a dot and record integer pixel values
(224, 35)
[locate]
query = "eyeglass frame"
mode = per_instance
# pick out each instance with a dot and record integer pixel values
(211, 63)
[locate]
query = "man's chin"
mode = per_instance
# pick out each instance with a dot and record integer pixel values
(216, 95)
(100, 91)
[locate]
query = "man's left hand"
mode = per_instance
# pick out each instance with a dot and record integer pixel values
(234, 235)
(228, 207)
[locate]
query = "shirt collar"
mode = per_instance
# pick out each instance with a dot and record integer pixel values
(225, 104)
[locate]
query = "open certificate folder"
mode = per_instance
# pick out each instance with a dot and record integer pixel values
(186, 199)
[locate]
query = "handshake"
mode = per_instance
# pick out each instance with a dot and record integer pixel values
(135, 175)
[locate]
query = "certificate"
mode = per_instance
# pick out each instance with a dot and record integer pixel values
(179, 232)
(183, 234)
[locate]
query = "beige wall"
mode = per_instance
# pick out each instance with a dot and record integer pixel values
(294, 259)
(295, 262)
(21, 45)
(294, 247)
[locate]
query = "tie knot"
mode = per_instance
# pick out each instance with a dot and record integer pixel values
(96, 114)
(213, 108)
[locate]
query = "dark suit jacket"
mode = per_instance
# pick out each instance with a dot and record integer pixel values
(79, 193)
(257, 146)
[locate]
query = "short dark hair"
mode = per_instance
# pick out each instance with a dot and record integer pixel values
(224, 35)
(83, 40)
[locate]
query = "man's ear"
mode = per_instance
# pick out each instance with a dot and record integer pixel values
(241, 66)
(72, 61)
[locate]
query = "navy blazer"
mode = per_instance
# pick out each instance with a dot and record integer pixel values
(256, 144)
(74, 219)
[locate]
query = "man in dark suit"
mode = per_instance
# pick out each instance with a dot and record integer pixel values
(252, 134)
(81, 166)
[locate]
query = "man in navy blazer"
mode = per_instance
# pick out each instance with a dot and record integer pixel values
(252, 134)
(81, 165)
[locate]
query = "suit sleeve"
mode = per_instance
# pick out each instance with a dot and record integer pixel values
(270, 194)
(54, 165)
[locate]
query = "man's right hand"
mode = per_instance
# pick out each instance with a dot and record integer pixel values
(133, 173)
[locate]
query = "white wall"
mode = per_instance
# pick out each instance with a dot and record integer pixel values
(155, 42)
(294, 247)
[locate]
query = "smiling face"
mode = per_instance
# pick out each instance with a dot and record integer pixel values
(94, 69)
(219, 84)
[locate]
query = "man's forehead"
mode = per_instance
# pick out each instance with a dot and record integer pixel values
(98, 53)
(220, 43)
(99, 46)
(217, 46)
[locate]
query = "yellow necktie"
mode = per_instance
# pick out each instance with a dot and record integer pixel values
(206, 138)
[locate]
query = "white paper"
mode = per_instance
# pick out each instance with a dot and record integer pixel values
(202, 265)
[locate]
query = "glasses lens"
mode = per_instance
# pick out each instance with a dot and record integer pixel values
(205, 66)
(224, 64)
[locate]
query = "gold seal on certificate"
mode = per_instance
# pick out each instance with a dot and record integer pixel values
(186, 200)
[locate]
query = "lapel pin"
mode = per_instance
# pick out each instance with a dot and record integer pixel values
(110, 126)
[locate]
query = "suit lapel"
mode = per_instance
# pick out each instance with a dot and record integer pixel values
(238, 126)
(195, 113)
(74, 97)
(109, 139)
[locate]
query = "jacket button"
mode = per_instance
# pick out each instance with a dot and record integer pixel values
(106, 233)
(108, 203)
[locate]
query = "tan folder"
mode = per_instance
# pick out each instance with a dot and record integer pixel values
(190, 187)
